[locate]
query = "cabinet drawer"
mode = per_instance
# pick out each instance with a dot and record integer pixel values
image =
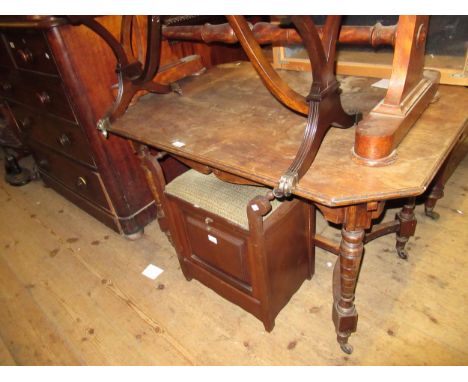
(217, 245)
(42, 92)
(76, 177)
(61, 135)
(30, 50)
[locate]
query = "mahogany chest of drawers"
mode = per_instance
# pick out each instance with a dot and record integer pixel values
(56, 82)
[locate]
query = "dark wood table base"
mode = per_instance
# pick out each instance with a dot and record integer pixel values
(357, 230)
(355, 220)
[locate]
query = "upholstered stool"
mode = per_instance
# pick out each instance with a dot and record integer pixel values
(230, 237)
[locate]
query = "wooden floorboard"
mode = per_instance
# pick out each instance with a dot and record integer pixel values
(6, 358)
(30, 337)
(71, 292)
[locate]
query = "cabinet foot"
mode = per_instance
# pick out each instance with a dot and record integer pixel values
(268, 325)
(136, 235)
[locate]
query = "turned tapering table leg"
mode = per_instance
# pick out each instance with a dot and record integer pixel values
(436, 193)
(407, 227)
(345, 316)
(355, 219)
(443, 175)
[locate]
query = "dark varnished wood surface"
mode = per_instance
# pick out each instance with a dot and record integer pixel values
(58, 83)
(228, 120)
(268, 33)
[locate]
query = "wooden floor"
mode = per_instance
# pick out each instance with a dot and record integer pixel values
(71, 292)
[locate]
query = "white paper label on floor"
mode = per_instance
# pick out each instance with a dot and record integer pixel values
(152, 271)
(382, 84)
(212, 239)
(178, 144)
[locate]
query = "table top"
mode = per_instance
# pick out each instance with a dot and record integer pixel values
(228, 120)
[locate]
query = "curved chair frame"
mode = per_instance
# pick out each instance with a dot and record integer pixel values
(322, 105)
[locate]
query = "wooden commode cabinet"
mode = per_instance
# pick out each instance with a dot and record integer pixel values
(251, 251)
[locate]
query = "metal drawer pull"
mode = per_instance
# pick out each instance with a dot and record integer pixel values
(64, 140)
(25, 55)
(81, 182)
(208, 220)
(43, 97)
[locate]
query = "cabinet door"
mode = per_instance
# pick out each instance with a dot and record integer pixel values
(217, 244)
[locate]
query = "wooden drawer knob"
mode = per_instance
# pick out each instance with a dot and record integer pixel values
(65, 140)
(43, 97)
(81, 182)
(25, 55)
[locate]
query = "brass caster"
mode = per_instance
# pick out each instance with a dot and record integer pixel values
(402, 253)
(346, 348)
(432, 214)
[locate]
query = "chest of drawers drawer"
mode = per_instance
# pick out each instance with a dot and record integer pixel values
(76, 177)
(42, 92)
(30, 50)
(61, 135)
